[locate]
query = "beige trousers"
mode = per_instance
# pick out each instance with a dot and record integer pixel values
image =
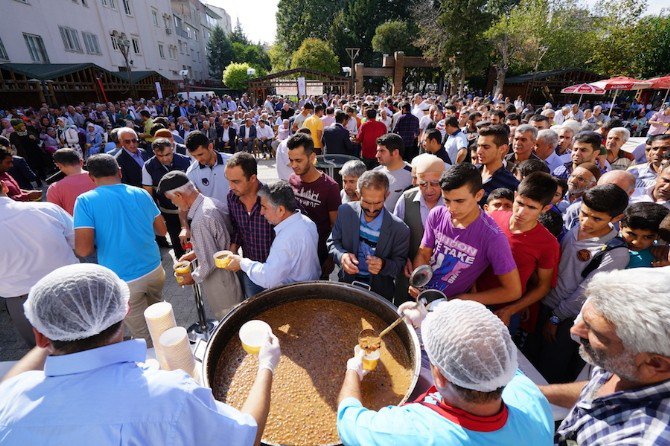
(145, 291)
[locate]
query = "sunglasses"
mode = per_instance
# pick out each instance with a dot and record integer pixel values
(127, 141)
(427, 183)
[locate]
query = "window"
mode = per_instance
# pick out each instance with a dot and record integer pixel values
(181, 47)
(196, 34)
(154, 17)
(167, 21)
(36, 48)
(3, 51)
(70, 39)
(172, 51)
(161, 51)
(114, 44)
(91, 43)
(136, 45)
(109, 3)
(126, 7)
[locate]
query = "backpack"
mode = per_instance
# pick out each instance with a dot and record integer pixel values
(616, 242)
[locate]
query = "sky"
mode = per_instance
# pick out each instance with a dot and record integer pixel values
(258, 16)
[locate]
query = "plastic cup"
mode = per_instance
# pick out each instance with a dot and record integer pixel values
(370, 360)
(221, 259)
(182, 268)
(253, 335)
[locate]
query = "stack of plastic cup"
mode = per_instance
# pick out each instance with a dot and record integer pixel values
(177, 350)
(159, 317)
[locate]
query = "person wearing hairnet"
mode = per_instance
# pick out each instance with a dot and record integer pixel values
(84, 385)
(478, 397)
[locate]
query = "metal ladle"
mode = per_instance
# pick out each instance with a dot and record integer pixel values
(419, 279)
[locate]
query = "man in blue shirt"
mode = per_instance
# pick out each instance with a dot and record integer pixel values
(478, 396)
(122, 221)
(83, 385)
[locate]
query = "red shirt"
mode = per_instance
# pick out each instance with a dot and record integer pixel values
(367, 136)
(15, 192)
(532, 250)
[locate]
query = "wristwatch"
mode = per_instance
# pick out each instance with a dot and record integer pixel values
(554, 320)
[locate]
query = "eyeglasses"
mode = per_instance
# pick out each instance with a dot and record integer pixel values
(427, 183)
(128, 141)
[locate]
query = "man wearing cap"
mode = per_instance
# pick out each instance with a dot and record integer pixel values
(478, 396)
(84, 385)
(209, 234)
(413, 207)
(368, 242)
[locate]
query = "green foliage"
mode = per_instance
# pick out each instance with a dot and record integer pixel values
(244, 51)
(393, 36)
(235, 76)
(279, 59)
(653, 33)
(238, 34)
(317, 55)
(300, 19)
(219, 52)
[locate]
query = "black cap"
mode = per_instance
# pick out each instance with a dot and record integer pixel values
(172, 180)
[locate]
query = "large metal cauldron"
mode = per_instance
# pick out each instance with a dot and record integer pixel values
(230, 325)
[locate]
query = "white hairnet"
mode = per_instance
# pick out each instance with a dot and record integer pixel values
(76, 302)
(469, 345)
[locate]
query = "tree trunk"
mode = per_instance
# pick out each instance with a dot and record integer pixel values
(461, 82)
(500, 80)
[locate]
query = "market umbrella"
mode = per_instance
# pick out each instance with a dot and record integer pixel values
(661, 83)
(582, 89)
(620, 83)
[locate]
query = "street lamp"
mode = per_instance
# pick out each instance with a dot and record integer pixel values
(123, 44)
(251, 71)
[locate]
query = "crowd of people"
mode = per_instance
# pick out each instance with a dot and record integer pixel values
(544, 236)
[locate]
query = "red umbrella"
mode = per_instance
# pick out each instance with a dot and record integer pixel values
(581, 90)
(620, 83)
(661, 83)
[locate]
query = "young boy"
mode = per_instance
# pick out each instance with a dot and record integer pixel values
(584, 253)
(535, 250)
(500, 199)
(639, 229)
(460, 242)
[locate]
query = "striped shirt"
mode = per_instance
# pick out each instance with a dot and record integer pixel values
(368, 234)
(630, 417)
(250, 230)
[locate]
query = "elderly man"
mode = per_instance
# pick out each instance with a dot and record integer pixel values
(131, 158)
(350, 172)
(627, 398)
(369, 243)
(618, 158)
(293, 256)
(659, 192)
(36, 238)
(84, 385)
(545, 148)
(478, 396)
(413, 208)
(209, 234)
(525, 136)
(122, 222)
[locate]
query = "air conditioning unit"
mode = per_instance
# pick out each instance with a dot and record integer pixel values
(168, 31)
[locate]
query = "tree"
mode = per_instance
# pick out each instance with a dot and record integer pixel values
(238, 34)
(219, 52)
(393, 36)
(235, 76)
(317, 55)
(279, 59)
(300, 19)
(654, 59)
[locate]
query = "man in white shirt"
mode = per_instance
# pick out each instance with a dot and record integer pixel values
(36, 238)
(265, 136)
(293, 255)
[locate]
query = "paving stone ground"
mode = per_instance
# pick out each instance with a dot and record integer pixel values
(13, 348)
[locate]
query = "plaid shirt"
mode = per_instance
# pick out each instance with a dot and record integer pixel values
(408, 129)
(251, 231)
(631, 417)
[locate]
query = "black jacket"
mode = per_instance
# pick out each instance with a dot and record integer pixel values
(131, 172)
(336, 139)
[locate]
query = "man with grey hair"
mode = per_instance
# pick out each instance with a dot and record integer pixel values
(618, 158)
(293, 255)
(477, 395)
(524, 143)
(627, 399)
(350, 172)
(545, 148)
(131, 157)
(562, 115)
(369, 243)
(210, 234)
(84, 384)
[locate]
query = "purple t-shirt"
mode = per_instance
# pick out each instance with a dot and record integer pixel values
(460, 256)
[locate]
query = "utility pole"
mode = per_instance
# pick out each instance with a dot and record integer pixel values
(353, 54)
(123, 44)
